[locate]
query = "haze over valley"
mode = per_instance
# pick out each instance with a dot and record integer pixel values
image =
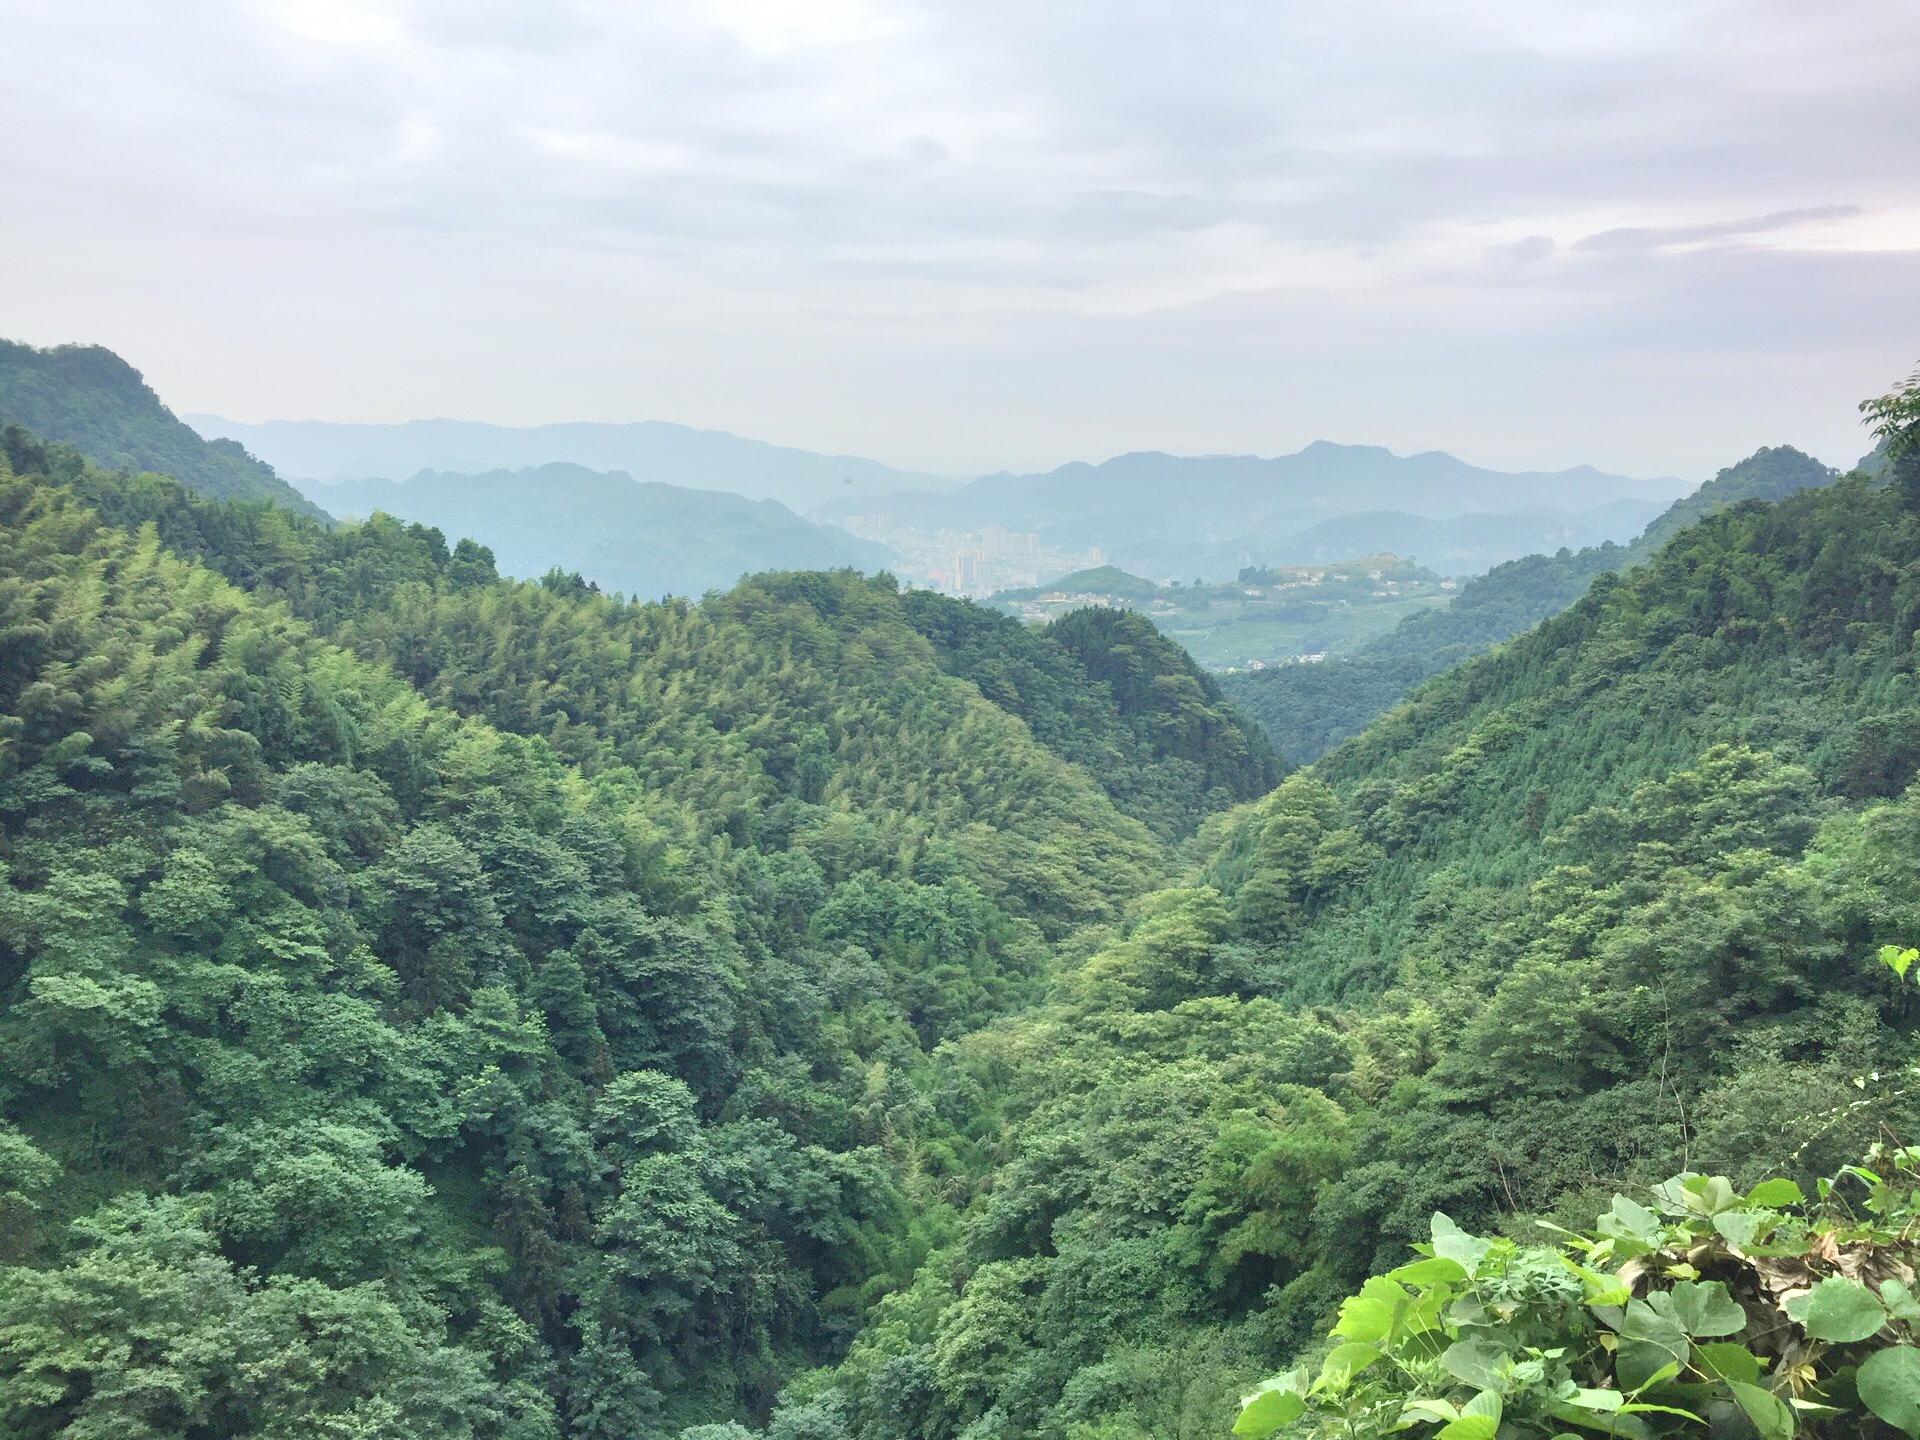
(1164, 515)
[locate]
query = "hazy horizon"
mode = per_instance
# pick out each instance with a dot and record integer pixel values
(962, 239)
(215, 426)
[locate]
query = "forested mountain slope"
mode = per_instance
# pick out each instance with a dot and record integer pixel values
(404, 1074)
(645, 540)
(1108, 691)
(1307, 713)
(1620, 888)
(1154, 734)
(1704, 968)
(88, 397)
(448, 1007)
(1786, 627)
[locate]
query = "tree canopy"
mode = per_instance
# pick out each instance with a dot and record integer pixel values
(440, 1005)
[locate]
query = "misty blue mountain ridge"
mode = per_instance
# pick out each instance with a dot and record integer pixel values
(691, 510)
(716, 459)
(642, 538)
(646, 449)
(1162, 513)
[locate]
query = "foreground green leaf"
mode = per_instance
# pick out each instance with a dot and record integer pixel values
(1889, 1386)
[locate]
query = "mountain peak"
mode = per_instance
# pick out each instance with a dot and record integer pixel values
(90, 398)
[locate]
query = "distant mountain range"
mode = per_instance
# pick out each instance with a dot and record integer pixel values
(641, 538)
(1156, 514)
(1307, 710)
(1170, 514)
(88, 397)
(647, 450)
(1455, 545)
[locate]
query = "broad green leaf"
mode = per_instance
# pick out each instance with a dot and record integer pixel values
(1696, 1195)
(1728, 1361)
(1630, 1221)
(1898, 959)
(1769, 1414)
(1487, 1402)
(1479, 1419)
(1421, 1313)
(1899, 1300)
(1775, 1193)
(1889, 1385)
(1480, 1363)
(1717, 1194)
(1370, 1314)
(1654, 1318)
(1468, 1311)
(1705, 1309)
(1276, 1403)
(1739, 1227)
(1440, 1410)
(1605, 1401)
(1814, 1407)
(1450, 1242)
(1434, 1270)
(1840, 1311)
(1610, 1422)
(1650, 1325)
(1601, 1289)
(1343, 1362)
(1638, 1363)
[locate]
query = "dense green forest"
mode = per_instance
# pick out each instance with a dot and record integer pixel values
(88, 397)
(467, 1077)
(1307, 712)
(436, 1005)
(1106, 690)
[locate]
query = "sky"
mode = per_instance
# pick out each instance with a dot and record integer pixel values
(995, 233)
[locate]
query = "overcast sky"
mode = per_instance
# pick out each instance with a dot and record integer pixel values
(1649, 236)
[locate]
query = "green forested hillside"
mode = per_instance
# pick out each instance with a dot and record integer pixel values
(1711, 964)
(88, 397)
(1307, 713)
(1773, 472)
(1100, 580)
(1152, 729)
(1618, 889)
(1106, 690)
(414, 1074)
(438, 1006)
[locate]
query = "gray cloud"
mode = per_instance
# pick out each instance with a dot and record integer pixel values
(966, 234)
(1661, 236)
(1529, 251)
